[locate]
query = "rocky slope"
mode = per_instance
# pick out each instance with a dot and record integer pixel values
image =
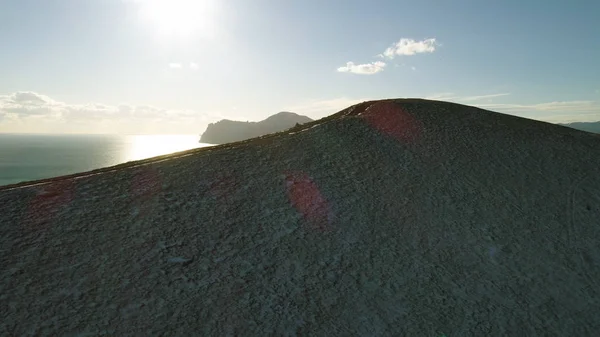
(227, 131)
(390, 218)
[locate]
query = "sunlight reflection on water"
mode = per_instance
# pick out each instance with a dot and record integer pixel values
(147, 146)
(31, 157)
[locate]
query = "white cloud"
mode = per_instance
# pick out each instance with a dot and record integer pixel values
(27, 103)
(478, 98)
(564, 106)
(33, 112)
(362, 69)
(553, 112)
(413, 68)
(194, 66)
(175, 65)
(448, 96)
(321, 108)
(409, 47)
(444, 96)
(405, 47)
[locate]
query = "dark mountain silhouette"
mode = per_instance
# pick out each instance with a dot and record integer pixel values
(593, 127)
(227, 131)
(390, 218)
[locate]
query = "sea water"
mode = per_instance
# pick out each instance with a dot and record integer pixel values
(26, 157)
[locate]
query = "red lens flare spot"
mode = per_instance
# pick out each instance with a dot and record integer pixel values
(48, 201)
(222, 187)
(305, 196)
(392, 120)
(145, 185)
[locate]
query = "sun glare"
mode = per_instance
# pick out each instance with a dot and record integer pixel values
(147, 146)
(180, 18)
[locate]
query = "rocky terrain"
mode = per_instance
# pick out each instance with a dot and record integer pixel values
(389, 218)
(227, 131)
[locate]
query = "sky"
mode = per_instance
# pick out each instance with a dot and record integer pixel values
(173, 66)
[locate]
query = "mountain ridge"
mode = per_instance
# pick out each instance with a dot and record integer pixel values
(227, 131)
(593, 127)
(397, 217)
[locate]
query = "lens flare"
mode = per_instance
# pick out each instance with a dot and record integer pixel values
(179, 18)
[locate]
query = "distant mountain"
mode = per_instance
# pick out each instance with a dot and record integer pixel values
(227, 131)
(585, 126)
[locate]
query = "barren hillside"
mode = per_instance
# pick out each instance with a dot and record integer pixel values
(390, 218)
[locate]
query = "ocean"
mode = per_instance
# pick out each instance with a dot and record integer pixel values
(26, 157)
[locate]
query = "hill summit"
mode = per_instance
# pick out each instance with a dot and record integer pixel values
(399, 217)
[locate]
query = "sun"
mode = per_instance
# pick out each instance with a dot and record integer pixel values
(179, 18)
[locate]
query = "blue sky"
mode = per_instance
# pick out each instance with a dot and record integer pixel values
(172, 66)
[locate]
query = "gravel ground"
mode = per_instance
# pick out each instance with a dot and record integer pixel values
(390, 218)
